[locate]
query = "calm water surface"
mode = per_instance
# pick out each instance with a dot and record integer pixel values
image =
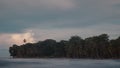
(58, 63)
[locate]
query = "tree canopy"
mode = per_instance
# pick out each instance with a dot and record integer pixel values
(98, 47)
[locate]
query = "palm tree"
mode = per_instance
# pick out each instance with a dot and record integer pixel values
(24, 41)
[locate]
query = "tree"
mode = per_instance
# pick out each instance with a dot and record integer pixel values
(13, 50)
(74, 48)
(99, 47)
(24, 41)
(115, 48)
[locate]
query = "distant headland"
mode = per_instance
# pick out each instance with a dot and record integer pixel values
(96, 47)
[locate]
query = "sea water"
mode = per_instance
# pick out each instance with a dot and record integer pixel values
(58, 63)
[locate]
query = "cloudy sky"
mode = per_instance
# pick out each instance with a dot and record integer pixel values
(37, 20)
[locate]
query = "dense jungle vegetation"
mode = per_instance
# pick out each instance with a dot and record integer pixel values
(98, 47)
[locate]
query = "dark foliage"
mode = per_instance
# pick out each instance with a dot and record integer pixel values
(98, 47)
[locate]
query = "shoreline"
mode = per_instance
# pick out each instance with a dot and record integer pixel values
(71, 58)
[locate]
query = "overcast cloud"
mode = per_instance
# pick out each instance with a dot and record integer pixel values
(56, 19)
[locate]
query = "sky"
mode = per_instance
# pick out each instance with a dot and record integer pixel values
(37, 20)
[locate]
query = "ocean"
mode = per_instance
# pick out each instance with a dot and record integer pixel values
(58, 63)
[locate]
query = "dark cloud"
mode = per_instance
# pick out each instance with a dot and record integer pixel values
(18, 15)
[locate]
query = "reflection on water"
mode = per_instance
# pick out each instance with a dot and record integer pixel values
(58, 63)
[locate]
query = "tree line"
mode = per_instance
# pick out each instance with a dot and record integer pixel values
(96, 47)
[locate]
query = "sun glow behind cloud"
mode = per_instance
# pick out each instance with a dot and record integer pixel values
(18, 38)
(7, 40)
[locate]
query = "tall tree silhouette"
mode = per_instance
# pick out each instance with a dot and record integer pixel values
(24, 40)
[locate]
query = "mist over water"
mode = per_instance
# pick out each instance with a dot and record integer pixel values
(58, 63)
